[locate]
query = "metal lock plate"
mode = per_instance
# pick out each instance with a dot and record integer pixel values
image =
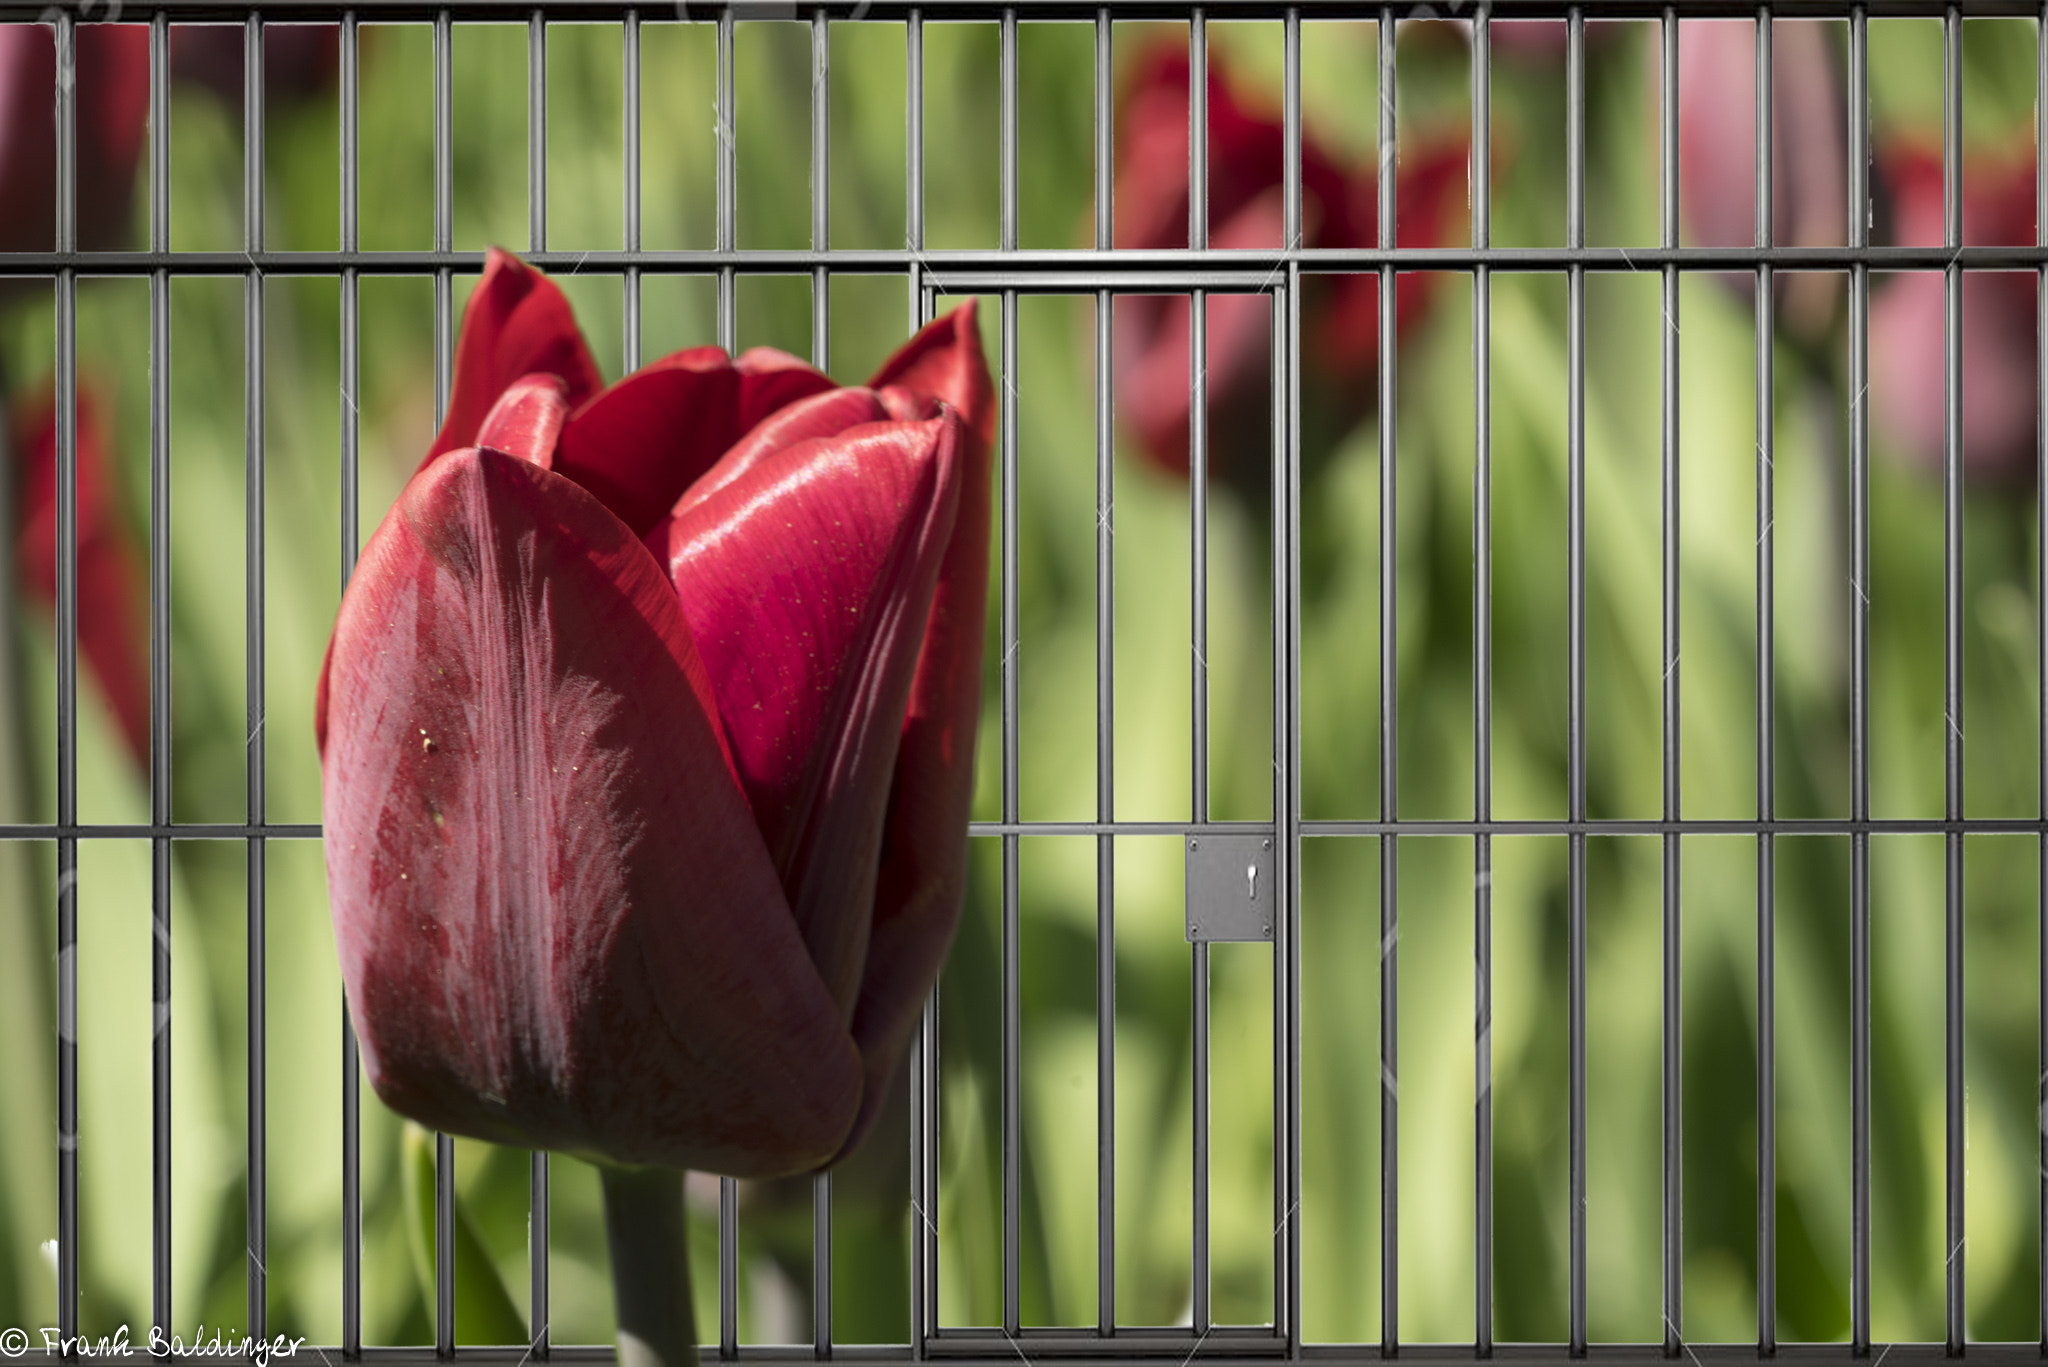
(1229, 888)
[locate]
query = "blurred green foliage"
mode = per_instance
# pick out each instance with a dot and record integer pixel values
(1339, 1218)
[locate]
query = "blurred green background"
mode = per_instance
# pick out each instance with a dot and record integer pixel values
(303, 399)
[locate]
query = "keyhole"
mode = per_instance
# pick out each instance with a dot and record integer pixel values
(1251, 882)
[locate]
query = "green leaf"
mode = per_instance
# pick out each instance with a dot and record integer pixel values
(484, 1312)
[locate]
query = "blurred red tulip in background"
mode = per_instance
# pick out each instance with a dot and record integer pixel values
(1999, 343)
(113, 593)
(300, 61)
(647, 734)
(112, 84)
(1246, 210)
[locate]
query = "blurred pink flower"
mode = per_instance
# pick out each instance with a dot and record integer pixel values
(1999, 342)
(1717, 151)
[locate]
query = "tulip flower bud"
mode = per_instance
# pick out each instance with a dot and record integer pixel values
(647, 731)
(1246, 209)
(112, 85)
(113, 632)
(1717, 151)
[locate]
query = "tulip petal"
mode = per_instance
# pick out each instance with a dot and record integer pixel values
(771, 380)
(944, 361)
(640, 444)
(558, 925)
(807, 580)
(516, 323)
(821, 415)
(923, 873)
(527, 420)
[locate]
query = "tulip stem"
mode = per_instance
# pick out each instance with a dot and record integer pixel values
(650, 1245)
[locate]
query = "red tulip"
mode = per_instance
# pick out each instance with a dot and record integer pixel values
(1999, 342)
(112, 83)
(1246, 210)
(647, 731)
(113, 635)
(1717, 151)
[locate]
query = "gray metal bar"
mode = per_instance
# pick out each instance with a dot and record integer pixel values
(987, 11)
(255, 701)
(1766, 727)
(2041, 682)
(351, 537)
(1105, 692)
(1575, 539)
(1012, 1042)
(1482, 683)
(1859, 686)
(537, 132)
(160, 671)
(1006, 99)
(1952, 594)
(630, 40)
(924, 1118)
(538, 1203)
(728, 337)
(821, 357)
(1390, 673)
(66, 39)
(1673, 946)
(1064, 270)
(1286, 717)
(444, 361)
(1198, 627)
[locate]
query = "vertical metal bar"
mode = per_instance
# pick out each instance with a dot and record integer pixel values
(924, 1118)
(1012, 1004)
(1575, 552)
(1287, 928)
(821, 357)
(728, 182)
(444, 351)
(1286, 1036)
(630, 40)
(2041, 679)
(1859, 686)
(913, 161)
(160, 668)
(253, 508)
(1952, 594)
(1012, 1044)
(1482, 683)
(1766, 727)
(1198, 611)
(1390, 809)
(538, 1202)
(537, 132)
(1674, 979)
(66, 39)
(1105, 692)
(351, 537)
(728, 337)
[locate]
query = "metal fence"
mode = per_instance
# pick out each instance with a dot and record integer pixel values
(1273, 848)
